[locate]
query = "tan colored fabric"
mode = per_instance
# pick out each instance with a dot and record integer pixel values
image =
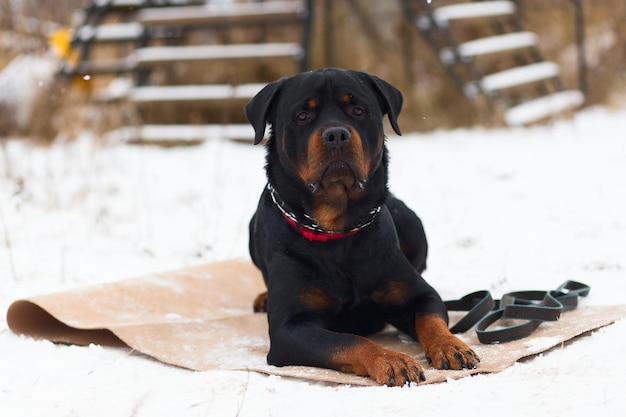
(200, 318)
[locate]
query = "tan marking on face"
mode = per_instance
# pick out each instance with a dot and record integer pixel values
(360, 161)
(330, 202)
(319, 156)
(308, 168)
(346, 98)
(311, 103)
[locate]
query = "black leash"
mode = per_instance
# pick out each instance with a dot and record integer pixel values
(534, 307)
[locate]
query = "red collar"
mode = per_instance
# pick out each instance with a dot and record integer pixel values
(321, 236)
(313, 232)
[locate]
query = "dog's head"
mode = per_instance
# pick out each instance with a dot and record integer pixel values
(327, 137)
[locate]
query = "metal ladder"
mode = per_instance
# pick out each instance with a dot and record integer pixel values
(503, 64)
(158, 33)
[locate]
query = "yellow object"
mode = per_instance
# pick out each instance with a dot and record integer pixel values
(60, 42)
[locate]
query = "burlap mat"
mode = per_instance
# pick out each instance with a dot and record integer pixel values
(200, 318)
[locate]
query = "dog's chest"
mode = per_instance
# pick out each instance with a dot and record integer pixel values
(352, 284)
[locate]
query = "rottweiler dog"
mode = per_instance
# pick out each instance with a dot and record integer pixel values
(341, 257)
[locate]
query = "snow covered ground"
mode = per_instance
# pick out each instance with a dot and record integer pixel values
(505, 210)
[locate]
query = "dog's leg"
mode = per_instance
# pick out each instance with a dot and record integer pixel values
(260, 303)
(299, 316)
(386, 367)
(306, 345)
(443, 349)
(411, 233)
(426, 319)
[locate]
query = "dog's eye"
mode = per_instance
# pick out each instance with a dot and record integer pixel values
(358, 111)
(303, 116)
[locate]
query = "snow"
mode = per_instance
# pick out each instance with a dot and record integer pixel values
(473, 10)
(20, 82)
(520, 75)
(541, 343)
(504, 210)
(490, 45)
(497, 43)
(110, 32)
(159, 54)
(181, 133)
(539, 108)
(194, 92)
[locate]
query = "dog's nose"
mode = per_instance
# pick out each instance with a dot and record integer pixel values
(336, 136)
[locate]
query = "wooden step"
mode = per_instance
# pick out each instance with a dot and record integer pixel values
(540, 108)
(472, 10)
(491, 45)
(120, 4)
(230, 13)
(109, 66)
(167, 54)
(138, 4)
(116, 90)
(519, 76)
(167, 135)
(110, 32)
(193, 93)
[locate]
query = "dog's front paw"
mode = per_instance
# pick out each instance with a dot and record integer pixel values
(260, 303)
(395, 369)
(451, 353)
(443, 349)
(384, 366)
(366, 358)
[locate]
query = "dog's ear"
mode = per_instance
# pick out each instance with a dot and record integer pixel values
(390, 98)
(258, 109)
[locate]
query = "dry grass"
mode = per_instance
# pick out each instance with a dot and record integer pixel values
(373, 37)
(431, 99)
(23, 29)
(605, 37)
